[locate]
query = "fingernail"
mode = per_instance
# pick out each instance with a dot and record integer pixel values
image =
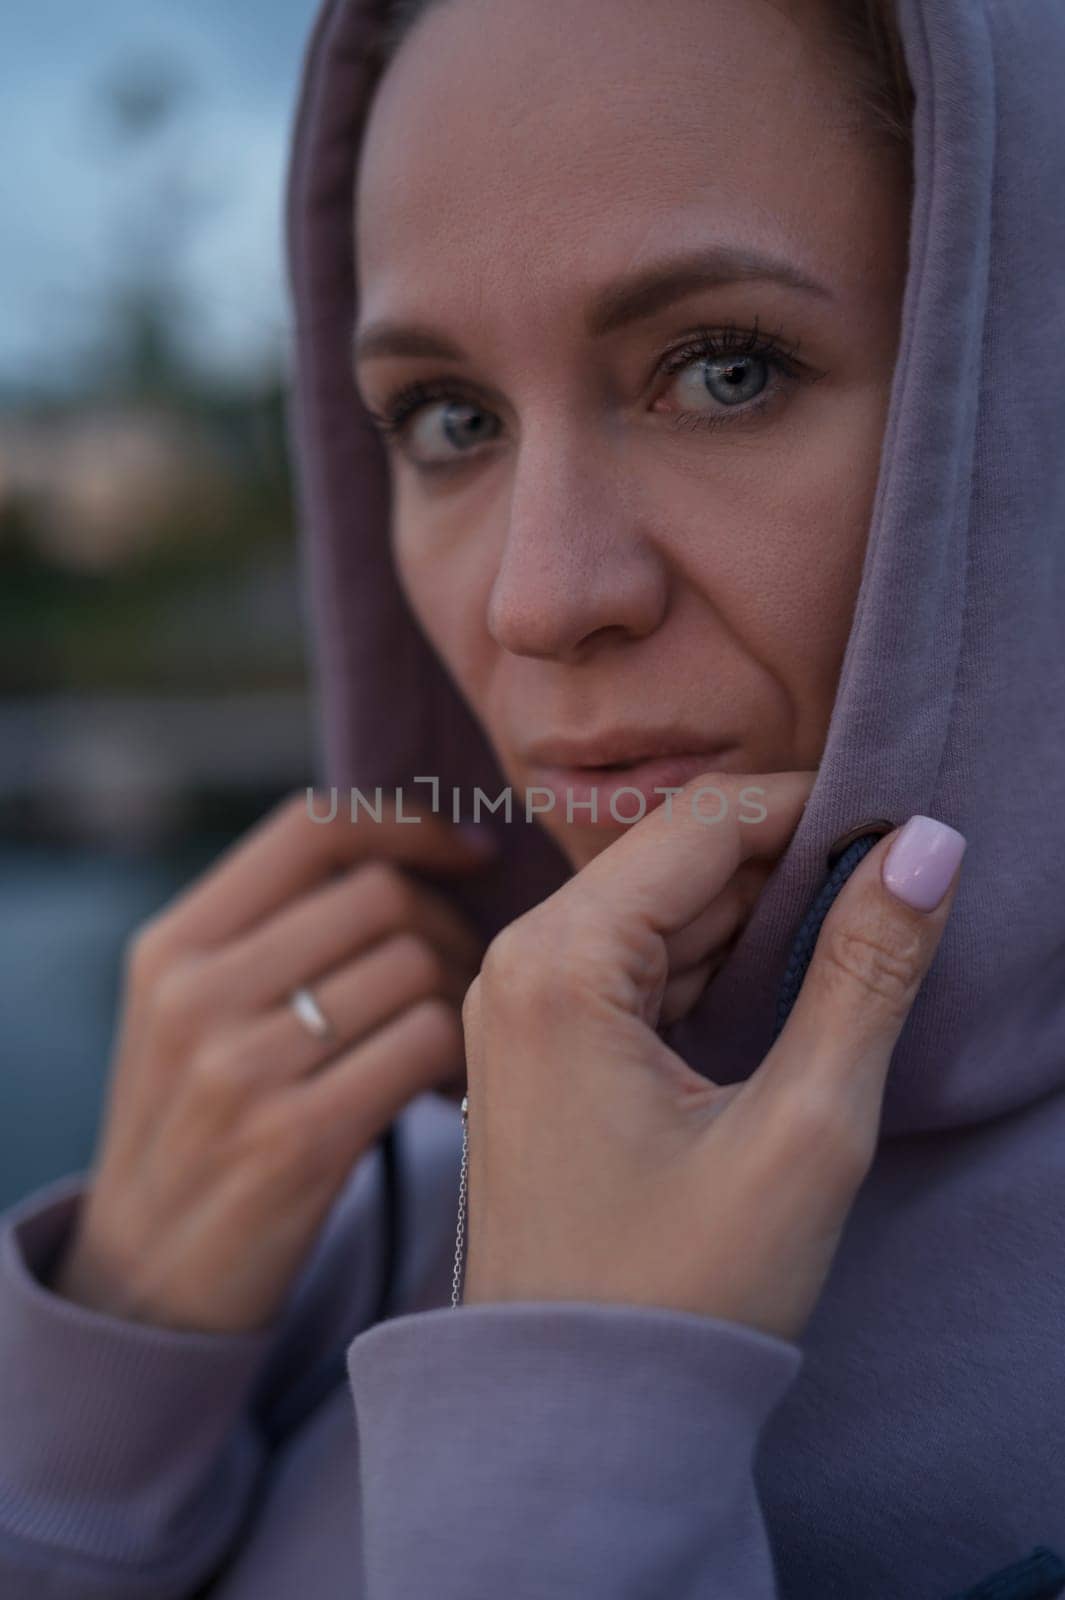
(480, 836)
(920, 865)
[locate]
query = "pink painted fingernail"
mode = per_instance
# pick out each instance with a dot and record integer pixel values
(920, 865)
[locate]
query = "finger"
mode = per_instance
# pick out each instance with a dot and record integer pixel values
(667, 868)
(713, 928)
(344, 918)
(684, 989)
(646, 903)
(287, 852)
(366, 1088)
(871, 956)
(357, 1000)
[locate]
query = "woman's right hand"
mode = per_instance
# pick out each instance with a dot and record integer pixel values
(229, 1127)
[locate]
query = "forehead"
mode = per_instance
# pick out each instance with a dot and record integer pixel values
(543, 142)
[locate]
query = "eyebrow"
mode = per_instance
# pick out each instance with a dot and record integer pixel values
(617, 305)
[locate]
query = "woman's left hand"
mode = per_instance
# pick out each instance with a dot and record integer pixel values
(601, 1166)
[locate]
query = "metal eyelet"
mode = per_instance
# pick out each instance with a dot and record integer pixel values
(877, 825)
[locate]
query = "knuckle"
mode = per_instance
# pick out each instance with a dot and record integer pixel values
(294, 804)
(815, 1126)
(438, 1027)
(549, 956)
(306, 818)
(421, 959)
(146, 950)
(293, 810)
(809, 1115)
(520, 964)
(288, 817)
(218, 1066)
(882, 959)
(316, 819)
(179, 995)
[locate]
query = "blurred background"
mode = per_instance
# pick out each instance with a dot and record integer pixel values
(153, 680)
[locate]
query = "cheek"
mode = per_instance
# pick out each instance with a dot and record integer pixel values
(446, 600)
(773, 541)
(826, 505)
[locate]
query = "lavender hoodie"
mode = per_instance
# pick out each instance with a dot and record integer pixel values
(909, 1445)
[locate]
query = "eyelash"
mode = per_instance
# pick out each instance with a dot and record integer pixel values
(705, 344)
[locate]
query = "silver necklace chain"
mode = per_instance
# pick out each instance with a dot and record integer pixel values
(457, 1274)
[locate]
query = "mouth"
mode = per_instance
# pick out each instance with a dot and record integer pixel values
(610, 794)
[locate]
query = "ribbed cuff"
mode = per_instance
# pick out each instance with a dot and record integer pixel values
(111, 1430)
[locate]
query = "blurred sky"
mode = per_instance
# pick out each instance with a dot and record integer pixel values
(79, 203)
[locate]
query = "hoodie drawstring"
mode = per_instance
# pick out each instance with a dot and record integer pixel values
(843, 857)
(1040, 1576)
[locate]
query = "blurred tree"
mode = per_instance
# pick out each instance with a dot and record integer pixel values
(134, 503)
(142, 95)
(143, 113)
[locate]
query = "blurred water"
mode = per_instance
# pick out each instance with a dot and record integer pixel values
(64, 918)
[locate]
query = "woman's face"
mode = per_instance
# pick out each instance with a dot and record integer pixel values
(644, 267)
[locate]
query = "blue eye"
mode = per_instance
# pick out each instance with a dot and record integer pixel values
(730, 379)
(461, 422)
(435, 407)
(742, 370)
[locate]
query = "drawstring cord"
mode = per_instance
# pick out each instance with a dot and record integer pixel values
(842, 860)
(1040, 1576)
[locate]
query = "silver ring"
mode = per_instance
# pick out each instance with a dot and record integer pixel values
(311, 1014)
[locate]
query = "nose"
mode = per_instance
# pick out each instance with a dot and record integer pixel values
(578, 566)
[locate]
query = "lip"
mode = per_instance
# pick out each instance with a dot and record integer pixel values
(627, 790)
(619, 745)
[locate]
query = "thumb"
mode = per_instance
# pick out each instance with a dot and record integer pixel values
(872, 953)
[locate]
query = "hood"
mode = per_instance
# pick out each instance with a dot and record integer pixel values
(951, 698)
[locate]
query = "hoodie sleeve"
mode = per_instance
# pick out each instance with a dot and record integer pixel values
(570, 1449)
(126, 1454)
(132, 1456)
